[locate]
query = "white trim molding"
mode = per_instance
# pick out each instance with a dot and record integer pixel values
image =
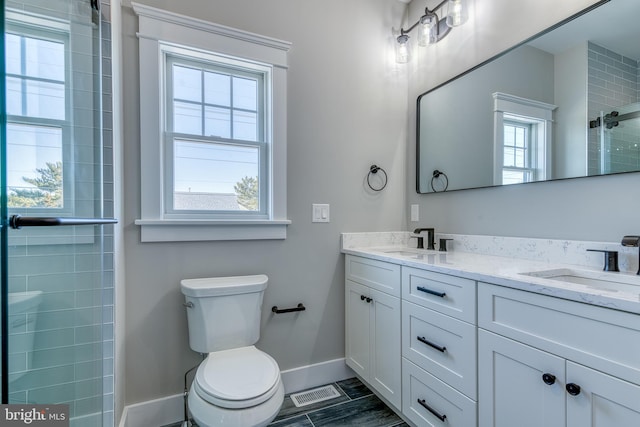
(158, 28)
(533, 112)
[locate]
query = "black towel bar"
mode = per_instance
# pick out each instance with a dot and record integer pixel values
(277, 310)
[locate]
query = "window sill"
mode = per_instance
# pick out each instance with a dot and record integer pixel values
(207, 230)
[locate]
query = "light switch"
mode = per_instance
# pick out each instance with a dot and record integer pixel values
(320, 213)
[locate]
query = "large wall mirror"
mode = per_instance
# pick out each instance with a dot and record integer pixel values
(565, 104)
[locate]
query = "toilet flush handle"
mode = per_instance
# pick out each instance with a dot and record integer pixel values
(188, 304)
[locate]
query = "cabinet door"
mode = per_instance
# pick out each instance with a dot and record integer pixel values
(511, 390)
(603, 401)
(385, 373)
(357, 313)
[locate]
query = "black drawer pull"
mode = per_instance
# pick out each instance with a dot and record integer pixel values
(423, 403)
(432, 292)
(549, 379)
(430, 344)
(573, 389)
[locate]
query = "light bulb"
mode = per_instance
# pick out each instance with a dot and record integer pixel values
(427, 30)
(403, 51)
(456, 13)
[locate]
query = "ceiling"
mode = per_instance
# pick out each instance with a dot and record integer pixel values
(614, 25)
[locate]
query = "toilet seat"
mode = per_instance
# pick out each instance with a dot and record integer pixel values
(237, 378)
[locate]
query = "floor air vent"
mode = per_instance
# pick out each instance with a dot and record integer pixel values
(313, 396)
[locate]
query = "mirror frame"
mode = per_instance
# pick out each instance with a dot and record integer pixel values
(482, 64)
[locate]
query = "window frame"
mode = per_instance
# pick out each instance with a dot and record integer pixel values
(75, 153)
(42, 29)
(205, 61)
(159, 28)
(528, 149)
(539, 116)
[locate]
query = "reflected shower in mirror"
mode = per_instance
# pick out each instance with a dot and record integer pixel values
(565, 104)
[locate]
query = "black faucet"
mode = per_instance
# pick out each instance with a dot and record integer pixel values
(431, 238)
(610, 259)
(633, 241)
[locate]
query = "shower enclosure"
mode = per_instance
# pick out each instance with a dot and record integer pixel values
(56, 205)
(620, 139)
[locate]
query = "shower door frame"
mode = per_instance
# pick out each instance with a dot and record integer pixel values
(106, 138)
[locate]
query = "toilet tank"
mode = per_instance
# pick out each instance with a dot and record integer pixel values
(223, 312)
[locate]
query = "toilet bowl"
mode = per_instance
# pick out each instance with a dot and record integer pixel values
(238, 387)
(236, 384)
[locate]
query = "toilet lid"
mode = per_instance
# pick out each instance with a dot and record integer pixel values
(237, 378)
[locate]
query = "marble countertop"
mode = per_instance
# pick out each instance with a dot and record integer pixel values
(623, 295)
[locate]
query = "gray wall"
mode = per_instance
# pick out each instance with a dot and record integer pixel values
(600, 208)
(347, 110)
(467, 155)
(570, 151)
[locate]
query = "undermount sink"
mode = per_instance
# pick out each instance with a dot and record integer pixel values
(403, 252)
(594, 279)
(411, 252)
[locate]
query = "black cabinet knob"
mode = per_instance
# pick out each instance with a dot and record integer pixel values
(369, 299)
(573, 389)
(362, 297)
(548, 379)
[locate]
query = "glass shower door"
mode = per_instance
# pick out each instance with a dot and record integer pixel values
(620, 139)
(58, 273)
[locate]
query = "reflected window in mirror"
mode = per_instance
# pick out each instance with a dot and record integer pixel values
(517, 158)
(523, 139)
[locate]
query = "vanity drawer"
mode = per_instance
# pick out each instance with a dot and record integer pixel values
(379, 275)
(605, 339)
(453, 296)
(420, 386)
(443, 346)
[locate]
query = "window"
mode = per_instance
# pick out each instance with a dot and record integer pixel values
(37, 118)
(517, 158)
(522, 139)
(212, 130)
(215, 141)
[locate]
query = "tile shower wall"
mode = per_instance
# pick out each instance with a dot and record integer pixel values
(614, 81)
(72, 331)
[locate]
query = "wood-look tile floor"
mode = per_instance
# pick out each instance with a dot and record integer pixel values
(356, 406)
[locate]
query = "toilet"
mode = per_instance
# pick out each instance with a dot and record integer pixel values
(236, 384)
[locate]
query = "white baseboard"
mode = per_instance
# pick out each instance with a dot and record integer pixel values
(310, 376)
(158, 412)
(170, 409)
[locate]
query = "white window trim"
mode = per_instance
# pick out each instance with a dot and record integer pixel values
(535, 111)
(157, 26)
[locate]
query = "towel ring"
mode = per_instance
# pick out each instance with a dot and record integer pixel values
(374, 170)
(437, 174)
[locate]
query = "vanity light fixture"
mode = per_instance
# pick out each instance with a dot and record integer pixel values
(431, 28)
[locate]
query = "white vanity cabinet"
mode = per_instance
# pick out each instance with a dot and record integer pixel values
(372, 318)
(439, 348)
(543, 361)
